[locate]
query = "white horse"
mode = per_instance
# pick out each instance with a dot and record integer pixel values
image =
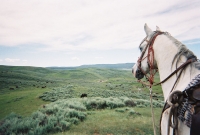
(169, 54)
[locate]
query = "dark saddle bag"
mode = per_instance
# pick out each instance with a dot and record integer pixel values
(195, 126)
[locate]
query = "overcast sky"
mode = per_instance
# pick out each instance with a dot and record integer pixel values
(76, 32)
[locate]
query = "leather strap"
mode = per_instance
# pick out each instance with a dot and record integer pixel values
(182, 66)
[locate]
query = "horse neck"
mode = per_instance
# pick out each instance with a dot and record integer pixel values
(164, 52)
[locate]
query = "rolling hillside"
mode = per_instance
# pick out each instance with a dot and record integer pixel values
(107, 66)
(48, 101)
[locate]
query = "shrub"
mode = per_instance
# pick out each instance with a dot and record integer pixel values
(54, 117)
(114, 103)
(60, 115)
(96, 103)
(129, 102)
(120, 110)
(66, 125)
(77, 106)
(58, 93)
(131, 112)
(101, 103)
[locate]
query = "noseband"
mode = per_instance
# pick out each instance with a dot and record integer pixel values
(150, 58)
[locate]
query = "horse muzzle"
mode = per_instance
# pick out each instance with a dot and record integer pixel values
(139, 74)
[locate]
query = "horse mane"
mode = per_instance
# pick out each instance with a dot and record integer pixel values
(182, 50)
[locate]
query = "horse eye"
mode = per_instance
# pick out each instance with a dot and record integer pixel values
(140, 48)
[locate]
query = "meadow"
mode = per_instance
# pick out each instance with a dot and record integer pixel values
(36, 100)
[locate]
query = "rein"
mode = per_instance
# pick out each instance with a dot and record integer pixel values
(181, 67)
(150, 59)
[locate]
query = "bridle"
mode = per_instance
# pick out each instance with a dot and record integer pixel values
(152, 69)
(150, 58)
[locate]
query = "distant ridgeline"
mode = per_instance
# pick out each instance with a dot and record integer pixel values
(127, 66)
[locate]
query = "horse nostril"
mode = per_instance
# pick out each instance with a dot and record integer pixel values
(139, 74)
(132, 71)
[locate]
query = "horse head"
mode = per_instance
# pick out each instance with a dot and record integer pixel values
(146, 60)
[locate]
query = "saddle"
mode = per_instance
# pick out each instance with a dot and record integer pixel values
(195, 121)
(194, 99)
(185, 106)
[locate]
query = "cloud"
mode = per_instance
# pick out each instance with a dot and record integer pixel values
(1, 60)
(11, 60)
(75, 58)
(188, 34)
(25, 60)
(98, 57)
(82, 24)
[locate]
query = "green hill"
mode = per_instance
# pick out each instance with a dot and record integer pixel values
(47, 100)
(107, 66)
(16, 77)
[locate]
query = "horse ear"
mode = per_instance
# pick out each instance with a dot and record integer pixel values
(147, 30)
(158, 29)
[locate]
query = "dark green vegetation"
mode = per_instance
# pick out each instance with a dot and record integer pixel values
(47, 101)
(107, 66)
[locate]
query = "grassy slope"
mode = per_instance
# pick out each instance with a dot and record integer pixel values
(22, 102)
(24, 99)
(117, 123)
